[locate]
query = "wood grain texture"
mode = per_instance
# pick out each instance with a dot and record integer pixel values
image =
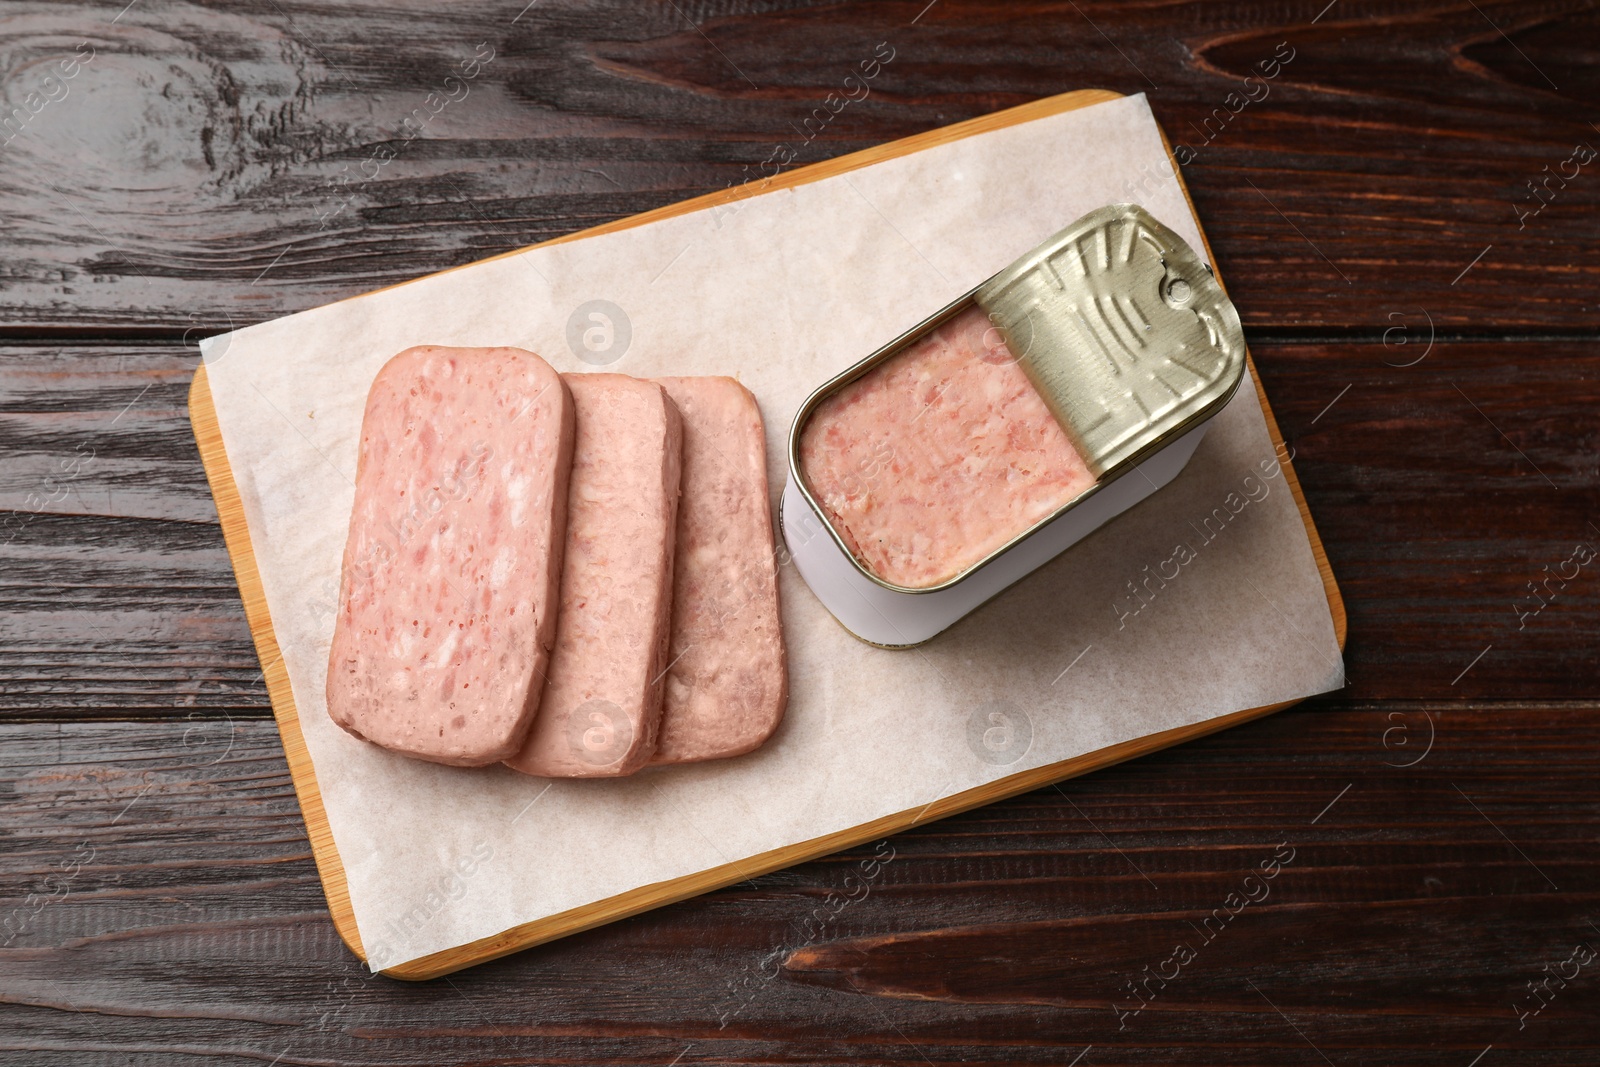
(179, 189)
(241, 551)
(274, 672)
(224, 165)
(116, 599)
(1434, 524)
(1403, 931)
(1442, 490)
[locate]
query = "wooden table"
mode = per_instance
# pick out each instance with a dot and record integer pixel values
(1425, 324)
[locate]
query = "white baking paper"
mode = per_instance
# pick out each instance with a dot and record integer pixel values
(782, 291)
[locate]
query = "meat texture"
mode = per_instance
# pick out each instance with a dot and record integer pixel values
(727, 684)
(602, 703)
(452, 565)
(939, 456)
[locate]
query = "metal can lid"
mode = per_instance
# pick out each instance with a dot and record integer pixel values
(1122, 329)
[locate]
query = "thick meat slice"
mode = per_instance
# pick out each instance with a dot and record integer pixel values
(451, 570)
(727, 684)
(935, 458)
(602, 703)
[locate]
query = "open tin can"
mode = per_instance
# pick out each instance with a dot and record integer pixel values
(1012, 423)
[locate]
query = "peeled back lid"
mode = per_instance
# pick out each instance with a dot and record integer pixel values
(1122, 329)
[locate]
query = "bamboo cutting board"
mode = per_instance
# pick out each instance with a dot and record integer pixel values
(241, 552)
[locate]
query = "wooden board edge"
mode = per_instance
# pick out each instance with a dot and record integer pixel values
(644, 898)
(1330, 586)
(828, 168)
(647, 898)
(242, 554)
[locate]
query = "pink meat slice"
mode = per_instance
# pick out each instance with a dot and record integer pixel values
(727, 684)
(453, 561)
(936, 458)
(602, 702)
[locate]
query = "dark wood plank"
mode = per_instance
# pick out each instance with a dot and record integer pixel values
(119, 600)
(1457, 498)
(101, 431)
(177, 918)
(1425, 337)
(116, 596)
(222, 165)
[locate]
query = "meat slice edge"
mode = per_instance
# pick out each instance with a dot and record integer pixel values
(727, 681)
(602, 702)
(452, 564)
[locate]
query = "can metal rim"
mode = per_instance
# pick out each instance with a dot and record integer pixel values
(894, 347)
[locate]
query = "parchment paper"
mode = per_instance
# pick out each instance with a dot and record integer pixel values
(781, 291)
